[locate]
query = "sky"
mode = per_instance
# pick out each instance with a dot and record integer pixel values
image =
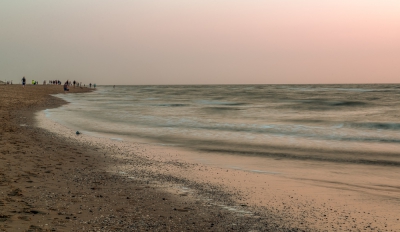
(167, 42)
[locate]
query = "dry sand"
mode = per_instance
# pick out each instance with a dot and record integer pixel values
(52, 179)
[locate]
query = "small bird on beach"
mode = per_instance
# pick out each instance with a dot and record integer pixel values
(77, 132)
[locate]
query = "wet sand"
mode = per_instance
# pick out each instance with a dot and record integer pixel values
(52, 179)
(303, 195)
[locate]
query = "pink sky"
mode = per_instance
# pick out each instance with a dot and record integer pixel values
(201, 42)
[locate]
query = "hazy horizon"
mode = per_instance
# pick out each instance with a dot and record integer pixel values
(208, 42)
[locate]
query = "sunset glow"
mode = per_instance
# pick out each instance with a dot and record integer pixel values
(202, 42)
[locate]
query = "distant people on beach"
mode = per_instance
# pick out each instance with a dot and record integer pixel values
(66, 86)
(114, 86)
(90, 85)
(94, 85)
(23, 81)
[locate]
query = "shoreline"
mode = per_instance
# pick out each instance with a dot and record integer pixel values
(303, 202)
(50, 183)
(281, 188)
(169, 189)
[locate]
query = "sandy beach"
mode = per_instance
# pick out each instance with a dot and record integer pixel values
(245, 116)
(54, 180)
(50, 183)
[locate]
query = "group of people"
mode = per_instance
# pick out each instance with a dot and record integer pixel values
(73, 83)
(51, 82)
(58, 82)
(55, 82)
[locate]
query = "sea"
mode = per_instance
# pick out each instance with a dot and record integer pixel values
(356, 124)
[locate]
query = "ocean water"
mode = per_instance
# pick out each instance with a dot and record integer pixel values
(331, 123)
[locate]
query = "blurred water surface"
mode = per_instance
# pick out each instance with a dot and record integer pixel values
(334, 123)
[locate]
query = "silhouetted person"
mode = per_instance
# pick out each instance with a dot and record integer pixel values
(66, 86)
